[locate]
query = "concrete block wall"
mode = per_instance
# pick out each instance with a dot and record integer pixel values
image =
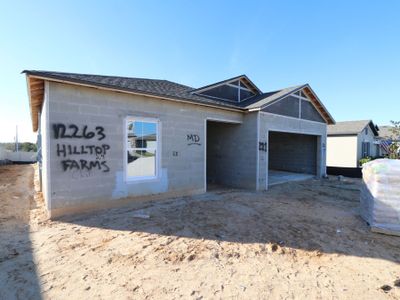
(182, 165)
(232, 152)
(271, 122)
(292, 152)
(45, 143)
(20, 156)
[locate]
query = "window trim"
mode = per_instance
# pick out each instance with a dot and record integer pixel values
(130, 179)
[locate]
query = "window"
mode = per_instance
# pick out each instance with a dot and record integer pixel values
(366, 130)
(142, 148)
(365, 149)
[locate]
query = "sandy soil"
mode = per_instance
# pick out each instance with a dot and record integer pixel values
(298, 240)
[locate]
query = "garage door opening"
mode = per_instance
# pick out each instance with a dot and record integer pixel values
(221, 156)
(292, 157)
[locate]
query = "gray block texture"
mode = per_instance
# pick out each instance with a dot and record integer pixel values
(293, 152)
(181, 165)
(232, 153)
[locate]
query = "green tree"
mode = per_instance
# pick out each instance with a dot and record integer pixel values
(28, 147)
(10, 146)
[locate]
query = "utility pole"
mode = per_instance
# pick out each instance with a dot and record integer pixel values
(16, 138)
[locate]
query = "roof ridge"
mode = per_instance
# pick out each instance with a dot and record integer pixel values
(87, 74)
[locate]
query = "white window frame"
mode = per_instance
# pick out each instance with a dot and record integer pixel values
(158, 149)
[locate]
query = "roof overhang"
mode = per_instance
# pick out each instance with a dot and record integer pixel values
(36, 95)
(318, 104)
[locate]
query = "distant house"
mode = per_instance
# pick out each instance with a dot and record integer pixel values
(105, 138)
(348, 142)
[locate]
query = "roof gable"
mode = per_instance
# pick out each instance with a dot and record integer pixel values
(236, 89)
(295, 105)
(260, 102)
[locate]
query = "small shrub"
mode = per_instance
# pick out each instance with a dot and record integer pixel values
(364, 160)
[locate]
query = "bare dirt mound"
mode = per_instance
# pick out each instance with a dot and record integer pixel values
(298, 240)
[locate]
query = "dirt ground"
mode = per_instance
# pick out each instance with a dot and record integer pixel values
(298, 240)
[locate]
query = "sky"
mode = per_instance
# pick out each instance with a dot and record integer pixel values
(348, 51)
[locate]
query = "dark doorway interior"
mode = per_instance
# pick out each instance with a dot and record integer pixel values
(221, 161)
(291, 153)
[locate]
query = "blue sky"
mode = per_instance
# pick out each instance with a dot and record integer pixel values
(348, 51)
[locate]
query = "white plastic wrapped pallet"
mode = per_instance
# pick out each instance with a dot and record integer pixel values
(380, 195)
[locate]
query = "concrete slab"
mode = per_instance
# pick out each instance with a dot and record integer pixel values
(278, 177)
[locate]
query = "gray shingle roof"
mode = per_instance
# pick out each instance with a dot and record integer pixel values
(350, 127)
(155, 87)
(165, 89)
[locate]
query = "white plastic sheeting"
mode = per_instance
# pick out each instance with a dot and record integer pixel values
(380, 195)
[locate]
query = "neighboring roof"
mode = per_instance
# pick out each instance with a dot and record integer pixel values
(386, 133)
(351, 127)
(162, 89)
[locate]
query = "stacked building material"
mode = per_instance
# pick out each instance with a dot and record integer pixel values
(380, 195)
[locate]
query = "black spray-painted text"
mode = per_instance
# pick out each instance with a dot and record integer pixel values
(69, 152)
(61, 131)
(193, 139)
